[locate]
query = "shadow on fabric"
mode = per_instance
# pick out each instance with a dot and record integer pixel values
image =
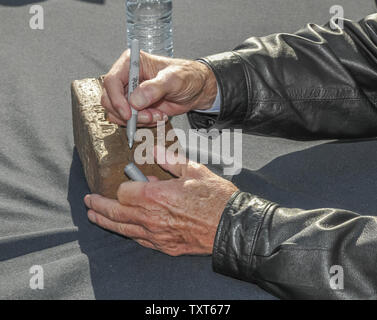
(340, 174)
(92, 240)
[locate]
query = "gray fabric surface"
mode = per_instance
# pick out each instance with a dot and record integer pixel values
(42, 216)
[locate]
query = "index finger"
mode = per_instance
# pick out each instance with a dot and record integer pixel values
(122, 66)
(114, 211)
(115, 81)
(115, 91)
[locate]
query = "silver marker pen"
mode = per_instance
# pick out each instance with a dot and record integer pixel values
(133, 82)
(134, 173)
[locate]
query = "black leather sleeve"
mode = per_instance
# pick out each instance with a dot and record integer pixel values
(316, 83)
(297, 254)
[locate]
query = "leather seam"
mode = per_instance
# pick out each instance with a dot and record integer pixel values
(219, 234)
(256, 236)
(248, 84)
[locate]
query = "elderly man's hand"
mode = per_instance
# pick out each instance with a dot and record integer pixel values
(177, 216)
(168, 87)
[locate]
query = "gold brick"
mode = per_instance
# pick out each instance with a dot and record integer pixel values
(102, 146)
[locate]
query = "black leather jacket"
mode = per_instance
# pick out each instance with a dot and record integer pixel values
(316, 83)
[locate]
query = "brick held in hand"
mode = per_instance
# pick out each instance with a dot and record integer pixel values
(102, 146)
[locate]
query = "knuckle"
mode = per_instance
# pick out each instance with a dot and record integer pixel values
(176, 76)
(165, 239)
(94, 202)
(122, 229)
(114, 213)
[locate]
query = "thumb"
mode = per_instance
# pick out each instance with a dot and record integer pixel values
(169, 161)
(152, 91)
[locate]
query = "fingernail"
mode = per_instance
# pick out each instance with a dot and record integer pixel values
(138, 100)
(143, 117)
(92, 217)
(87, 200)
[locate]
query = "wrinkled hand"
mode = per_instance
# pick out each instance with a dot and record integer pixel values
(168, 87)
(177, 216)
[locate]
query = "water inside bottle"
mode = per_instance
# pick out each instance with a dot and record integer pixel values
(150, 21)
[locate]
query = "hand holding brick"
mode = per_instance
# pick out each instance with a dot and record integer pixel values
(102, 146)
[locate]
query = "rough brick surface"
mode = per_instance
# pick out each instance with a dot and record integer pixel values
(101, 145)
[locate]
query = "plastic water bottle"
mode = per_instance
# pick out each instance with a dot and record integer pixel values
(150, 21)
